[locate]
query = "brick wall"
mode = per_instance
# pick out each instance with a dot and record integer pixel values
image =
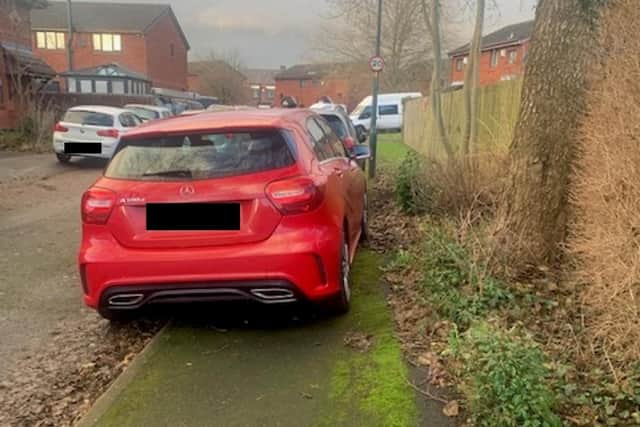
(308, 92)
(15, 27)
(488, 73)
(15, 31)
(166, 66)
(148, 54)
(132, 55)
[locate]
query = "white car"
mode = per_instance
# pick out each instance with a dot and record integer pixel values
(149, 112)
(390, 110)
(91, 131)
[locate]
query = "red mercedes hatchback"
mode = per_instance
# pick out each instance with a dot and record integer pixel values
(263, 205)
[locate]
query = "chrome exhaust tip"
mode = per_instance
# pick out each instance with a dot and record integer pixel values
(125, 300)
(274, 294)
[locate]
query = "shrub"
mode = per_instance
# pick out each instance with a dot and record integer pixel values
(504, 378)
(410, 184)
(458, 289)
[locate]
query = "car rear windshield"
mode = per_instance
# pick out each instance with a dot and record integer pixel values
(201, 156)
(144, 113)
(91, 118)
(337, 125)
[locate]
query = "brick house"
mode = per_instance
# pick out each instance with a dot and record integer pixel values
(19, 67)
(216, 78)
(262, 85)
(144, 38)
(308, 82)
(503, 55)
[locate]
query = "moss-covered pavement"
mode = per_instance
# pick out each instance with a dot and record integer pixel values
(292, 374)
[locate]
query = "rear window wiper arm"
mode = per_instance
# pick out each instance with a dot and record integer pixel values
(182, 173)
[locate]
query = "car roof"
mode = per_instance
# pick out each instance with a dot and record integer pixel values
(207, 120)
(99, 109)
(327, 108)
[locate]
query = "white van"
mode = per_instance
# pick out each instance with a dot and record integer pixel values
(389, 111)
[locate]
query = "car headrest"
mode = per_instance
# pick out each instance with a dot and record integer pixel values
(260, 145)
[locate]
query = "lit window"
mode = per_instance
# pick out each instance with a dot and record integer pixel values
(107, 42)
(50, 40)
(494, 58)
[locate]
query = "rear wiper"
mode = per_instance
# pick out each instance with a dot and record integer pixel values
(181, 173)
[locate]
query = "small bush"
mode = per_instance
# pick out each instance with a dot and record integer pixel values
(411, 189)
(458, 289)
(504, 378)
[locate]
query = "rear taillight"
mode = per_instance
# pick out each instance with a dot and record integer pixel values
(97, 205)
(294, 195)
(59, 128)
(109, 133)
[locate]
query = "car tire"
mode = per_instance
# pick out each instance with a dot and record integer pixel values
(341, 303)
(63, 158)
(364, 224)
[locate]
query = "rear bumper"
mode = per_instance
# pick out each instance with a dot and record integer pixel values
(108, 148)
(304, 262)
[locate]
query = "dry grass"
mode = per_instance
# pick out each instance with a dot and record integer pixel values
(605, 238)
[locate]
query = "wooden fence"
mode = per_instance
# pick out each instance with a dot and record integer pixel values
(498, 111)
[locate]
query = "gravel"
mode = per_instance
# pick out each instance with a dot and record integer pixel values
(56, 385)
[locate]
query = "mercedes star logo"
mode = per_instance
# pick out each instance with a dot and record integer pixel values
(187, 190)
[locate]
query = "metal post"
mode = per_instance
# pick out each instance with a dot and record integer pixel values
(373, 139)
(69, 36)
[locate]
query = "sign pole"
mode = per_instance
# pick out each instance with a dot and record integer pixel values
(373, 139)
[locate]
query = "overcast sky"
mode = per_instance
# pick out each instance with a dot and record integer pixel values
(270, 33)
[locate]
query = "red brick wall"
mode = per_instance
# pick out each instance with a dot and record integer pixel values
(149, 55)
(15, 31)
(164, 69)
(132, 56)
(490, 75)
(337, 89)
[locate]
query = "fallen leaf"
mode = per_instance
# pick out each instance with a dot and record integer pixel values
(451, 409)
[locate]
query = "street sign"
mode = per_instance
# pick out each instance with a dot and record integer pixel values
(376, 63)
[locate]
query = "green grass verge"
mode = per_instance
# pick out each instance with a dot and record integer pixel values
(391, 149)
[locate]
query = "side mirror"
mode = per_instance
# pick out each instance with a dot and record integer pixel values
(361, 152)
(362, 134)
(349, 143)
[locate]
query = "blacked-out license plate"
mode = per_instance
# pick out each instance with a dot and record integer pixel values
(82, 148)
(193, 216)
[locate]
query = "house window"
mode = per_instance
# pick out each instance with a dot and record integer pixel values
(107, 42)
(460, 64)
(117, 86)
(271, 93)
(86, 86)
(495, 55)
(304, 83)
(172, 49)
(50, 40)
(71, 85)
(101, 86)
(1, 95)
(513, 56)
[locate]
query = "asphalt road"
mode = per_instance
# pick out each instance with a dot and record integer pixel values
(39, 237)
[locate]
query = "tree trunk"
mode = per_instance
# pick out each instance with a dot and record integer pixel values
(433, 25)
(471, 82)
(533, 219)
